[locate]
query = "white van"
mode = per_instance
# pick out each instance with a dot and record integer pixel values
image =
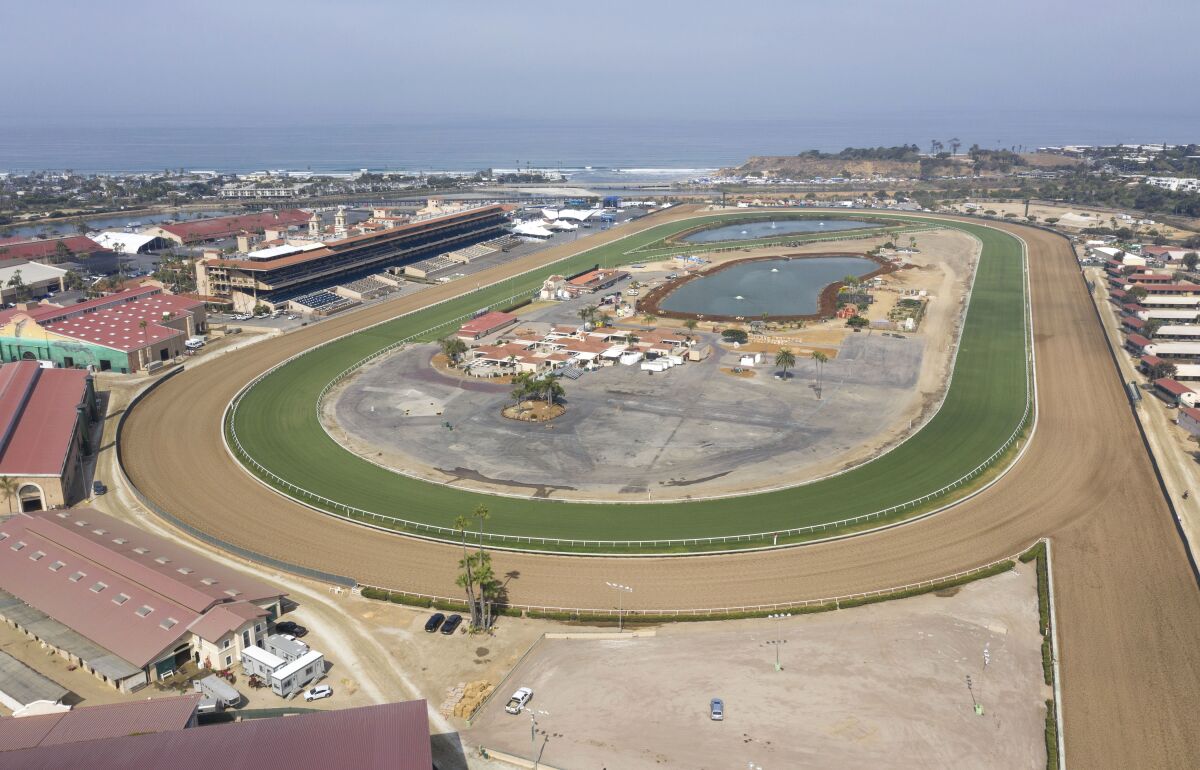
(194, 343)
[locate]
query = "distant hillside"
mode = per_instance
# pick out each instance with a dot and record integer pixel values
(827, 166)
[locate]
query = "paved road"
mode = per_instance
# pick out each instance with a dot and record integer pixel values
(1128, 603)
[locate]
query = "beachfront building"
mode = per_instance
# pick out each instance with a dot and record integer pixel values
(281, 274)
(123, 332)
(127, 606)
(46, 417)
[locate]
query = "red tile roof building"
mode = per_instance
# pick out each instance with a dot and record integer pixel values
(486, 324)
(139, 601)
(43, 249)
(46, 416)
(122, 332)
(200, 230)
(394, 736)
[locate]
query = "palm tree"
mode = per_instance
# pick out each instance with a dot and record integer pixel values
(820, 359)
(522, 386)
(453, 348)
(648, 319)
(481, 515)
(553, 390)
(8, 486)
(466, 579)
(785, 359)
(691, 324)
(587, 314)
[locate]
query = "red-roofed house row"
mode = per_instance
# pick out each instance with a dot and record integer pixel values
(127, 606)
(200, 230)
(46, 417)
(50, 248)
(123, 332)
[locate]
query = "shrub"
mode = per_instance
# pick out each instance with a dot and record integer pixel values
(735, 335)
(374, 593)
(1047, 661)
(1051, 736)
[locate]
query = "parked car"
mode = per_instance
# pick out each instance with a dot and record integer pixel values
(632, 293)
(318, 692)
(98, 488)
(716, 710)
(434, 622)
(288, 627)
(516, 704)
(452, 624)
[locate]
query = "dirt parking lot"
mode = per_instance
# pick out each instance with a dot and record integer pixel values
(877, 686)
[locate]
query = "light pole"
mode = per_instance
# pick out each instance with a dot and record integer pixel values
(533, 752)
(778, 641)
(621, 591)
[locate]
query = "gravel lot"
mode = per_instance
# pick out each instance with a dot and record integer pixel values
(845, 697)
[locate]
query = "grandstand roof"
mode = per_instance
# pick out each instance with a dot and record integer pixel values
(334, 247)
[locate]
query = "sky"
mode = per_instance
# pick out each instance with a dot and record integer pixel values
(222, 62)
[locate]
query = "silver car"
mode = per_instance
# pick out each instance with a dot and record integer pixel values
(716, 710)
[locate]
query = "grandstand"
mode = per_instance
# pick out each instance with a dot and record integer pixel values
(322, 302)
(364, 288)
(428, 267)
(276, 280)
(471, 252)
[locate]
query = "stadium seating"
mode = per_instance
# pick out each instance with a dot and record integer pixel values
(323, 301)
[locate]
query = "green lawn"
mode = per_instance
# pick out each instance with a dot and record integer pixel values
(277, 424)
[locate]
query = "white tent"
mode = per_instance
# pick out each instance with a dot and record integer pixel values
(561, 225)
(531, 230)
(578, 216)
(126, 243)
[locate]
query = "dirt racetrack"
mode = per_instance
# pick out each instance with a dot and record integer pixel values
(1127, 599)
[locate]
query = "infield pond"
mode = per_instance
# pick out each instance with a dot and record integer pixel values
(777, 287)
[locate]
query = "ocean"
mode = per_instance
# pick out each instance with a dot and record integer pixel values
(648, 150)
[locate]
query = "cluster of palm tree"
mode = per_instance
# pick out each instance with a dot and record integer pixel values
(453, 348)
(821, 359)
(589, 314)
(527, 387)
(477, 578)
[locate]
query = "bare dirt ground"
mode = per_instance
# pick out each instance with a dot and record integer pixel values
(1128, 604)
(1103, 218)
(847, 695)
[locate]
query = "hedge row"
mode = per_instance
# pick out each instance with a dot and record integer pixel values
(1051, 735)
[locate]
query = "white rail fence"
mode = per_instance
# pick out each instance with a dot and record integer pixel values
(433, 531)
(834, 601)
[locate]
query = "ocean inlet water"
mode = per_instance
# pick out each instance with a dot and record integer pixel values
(777, 287)
(747, 231)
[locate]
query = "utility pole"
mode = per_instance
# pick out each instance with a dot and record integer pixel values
(778, 641)
(621, 591)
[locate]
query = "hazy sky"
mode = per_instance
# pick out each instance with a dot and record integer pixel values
(219, 61)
